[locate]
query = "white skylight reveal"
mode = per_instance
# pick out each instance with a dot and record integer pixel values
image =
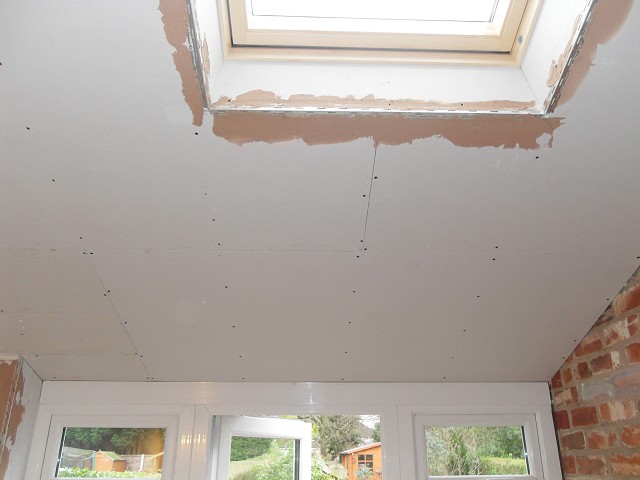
(418, 57)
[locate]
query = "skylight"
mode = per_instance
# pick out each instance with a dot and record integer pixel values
(423, 10)
(488, 56)
(407, 25)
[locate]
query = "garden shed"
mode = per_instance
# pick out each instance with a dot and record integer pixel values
(367, 458)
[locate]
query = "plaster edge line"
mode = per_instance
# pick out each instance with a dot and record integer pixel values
(576, 41)
(196, 52)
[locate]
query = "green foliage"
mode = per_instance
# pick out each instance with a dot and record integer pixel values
(459, 460)
(86, 473)
(317, 473)
(120, 440)
(375, 435)
(502, 442)
(504, 466)
(249, 447)
(475, 451)
(364, 473)
(278, 464)
(335, 433)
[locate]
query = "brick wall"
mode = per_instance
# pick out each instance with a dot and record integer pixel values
(19, 398)
(596, 396)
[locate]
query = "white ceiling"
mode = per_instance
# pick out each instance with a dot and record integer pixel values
(418, 262)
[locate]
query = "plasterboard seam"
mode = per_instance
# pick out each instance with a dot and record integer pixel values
(366, 218)
(120, 320)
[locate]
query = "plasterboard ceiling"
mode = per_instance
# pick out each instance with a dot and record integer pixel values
(134, 249)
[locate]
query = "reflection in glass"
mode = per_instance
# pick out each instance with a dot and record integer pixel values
(111, 453)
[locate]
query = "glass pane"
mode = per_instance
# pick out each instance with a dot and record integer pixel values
(344, 447)
(424, 10)
(254, 458)
(111, 453)
(460, 451)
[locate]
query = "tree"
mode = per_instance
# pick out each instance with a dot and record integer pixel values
(335, 433)
(121, 440)
(375, 435)
(459, 461)
(249, 447)
(503, 442)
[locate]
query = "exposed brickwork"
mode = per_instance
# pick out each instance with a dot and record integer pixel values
(596, 396)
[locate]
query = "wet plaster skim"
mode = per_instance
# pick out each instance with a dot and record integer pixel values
(607, 18)
(506, 131)
(175, 19)
(464, 129)
(11, 408)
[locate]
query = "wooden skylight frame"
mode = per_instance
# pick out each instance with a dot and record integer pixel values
(500, 41)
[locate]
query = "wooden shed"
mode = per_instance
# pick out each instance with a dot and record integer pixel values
(109, 462)
(360, 458)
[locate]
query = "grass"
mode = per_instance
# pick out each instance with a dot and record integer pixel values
(240, 466)
(505, 466)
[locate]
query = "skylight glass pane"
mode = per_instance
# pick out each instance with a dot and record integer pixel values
(420, 10)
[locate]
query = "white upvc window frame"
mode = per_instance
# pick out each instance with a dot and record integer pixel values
(530, 432)
(189, 411)
(226, 427)
(53, 419)
(60, 422)
(497, 34)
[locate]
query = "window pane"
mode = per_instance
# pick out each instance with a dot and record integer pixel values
(111, 453)
(344, 447)
(460, 451)
(255, 458)
(423, 10)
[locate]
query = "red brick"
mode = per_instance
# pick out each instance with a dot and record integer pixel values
(627, 382)
(573, 441)
(601, 364)
(561, 418)
(591, 465)
(569, 465)
(626, 465)
(584, 416)
(566, 396)
(583, 370)
(556, 380)
(589, 344)
(617, 410)
(627, 300)
(605, 363)
(617, 332)
(633, 352)
(605, 317)
(633, 324)
(567, 376)
(631, 436)
(600, 440)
